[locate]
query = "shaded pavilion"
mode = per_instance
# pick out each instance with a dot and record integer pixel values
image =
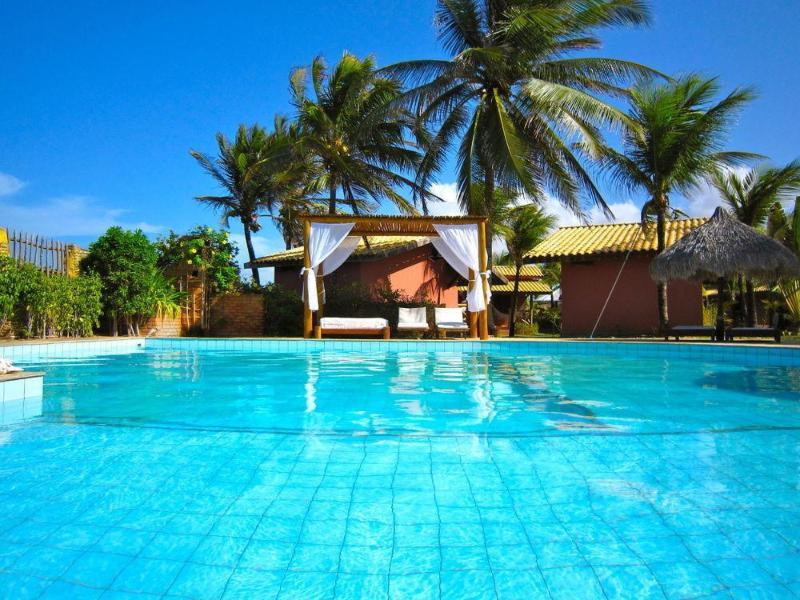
(721, 249)
(364, 226)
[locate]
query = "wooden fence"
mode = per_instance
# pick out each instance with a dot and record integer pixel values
(51, 256)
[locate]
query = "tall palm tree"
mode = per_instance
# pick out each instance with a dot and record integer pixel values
(360, 146)
(515, 93)
(259, 171)
(671, 143)
(750, 196)
(525, 227)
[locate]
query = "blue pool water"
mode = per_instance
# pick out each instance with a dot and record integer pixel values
(185, 470)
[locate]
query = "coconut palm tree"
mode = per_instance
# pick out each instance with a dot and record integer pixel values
(672, 142)
(515, 93)
(359, 145)
(750, 195)
(525, 227)
(241, 168)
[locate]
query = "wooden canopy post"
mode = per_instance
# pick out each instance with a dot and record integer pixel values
(320, 292)
(472, 317)
(308, 317)
(482, 260)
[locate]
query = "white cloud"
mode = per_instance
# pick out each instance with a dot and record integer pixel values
(448, 192)
(703, 200)
(262, 245)
(10, 184)
(69, 216)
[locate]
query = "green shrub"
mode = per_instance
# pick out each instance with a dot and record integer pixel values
(283, 312)
(49, 305)
(202, 248)
(9, 291)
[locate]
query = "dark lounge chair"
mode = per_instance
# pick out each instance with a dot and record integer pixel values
(773, 331)
(679, 331)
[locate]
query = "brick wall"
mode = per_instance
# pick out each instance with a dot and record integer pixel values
(237, 315)
(167, 327)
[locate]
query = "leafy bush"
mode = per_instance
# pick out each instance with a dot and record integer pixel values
(133, 287)
(202, 248)
(284, 312)
(9, 291)
(37, 305)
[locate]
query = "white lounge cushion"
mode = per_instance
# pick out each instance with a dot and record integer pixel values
(450, 318)
(412, 318)
(353, 323)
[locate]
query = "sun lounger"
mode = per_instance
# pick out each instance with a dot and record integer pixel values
(353, 326)
(679, 331)
(773, 332)
(412, 319)
(450, 319)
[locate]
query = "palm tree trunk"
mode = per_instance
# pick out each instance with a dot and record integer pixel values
(720, 332)
(752, 316)
(332, 198)
(251, 253)
(744, 315)
(661, 232)
(512, 315)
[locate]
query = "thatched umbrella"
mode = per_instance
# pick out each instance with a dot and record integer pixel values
(720, 249)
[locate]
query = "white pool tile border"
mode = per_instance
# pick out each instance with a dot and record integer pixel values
(751, 355)
(756, 355)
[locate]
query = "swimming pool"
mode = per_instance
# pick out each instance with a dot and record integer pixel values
(226, 469)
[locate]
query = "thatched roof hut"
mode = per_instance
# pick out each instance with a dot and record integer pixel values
(723, 248)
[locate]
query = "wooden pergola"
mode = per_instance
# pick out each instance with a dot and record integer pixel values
(375, 225)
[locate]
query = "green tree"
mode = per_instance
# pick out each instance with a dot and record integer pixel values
(524, 227)
(203, 248)
(672, 141)
(125, 262)
(356, 138)
(9, 291)
(750, 196)
(516, 93)
(246, 171)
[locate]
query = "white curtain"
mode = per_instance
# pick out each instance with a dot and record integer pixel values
(458, 245)
(324, 240)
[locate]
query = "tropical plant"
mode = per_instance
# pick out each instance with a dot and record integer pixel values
(56, 305)
(515, 93)
(250, 171)
(9, 291)
(785, 228)
(750, 195)
(205, 249)
(358, 142)
(671, 143)
(525, 227)
(125, 262)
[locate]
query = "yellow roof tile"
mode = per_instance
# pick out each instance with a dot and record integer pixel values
(615, 238)
(509, 271)
(525, 287)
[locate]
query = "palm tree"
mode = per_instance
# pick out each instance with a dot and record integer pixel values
(750, 196)
(515, 95)
(239, 169)
(671, 143)
(525, 227)
(359, 145)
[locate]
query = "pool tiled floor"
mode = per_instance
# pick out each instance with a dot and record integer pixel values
(132, 512)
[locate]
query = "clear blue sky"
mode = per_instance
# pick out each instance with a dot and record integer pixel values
(101, 101)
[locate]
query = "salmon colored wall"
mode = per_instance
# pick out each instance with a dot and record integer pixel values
(633, 309)
(411, 273)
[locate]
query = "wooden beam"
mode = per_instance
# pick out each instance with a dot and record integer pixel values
(484, 283)
(308, 317)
